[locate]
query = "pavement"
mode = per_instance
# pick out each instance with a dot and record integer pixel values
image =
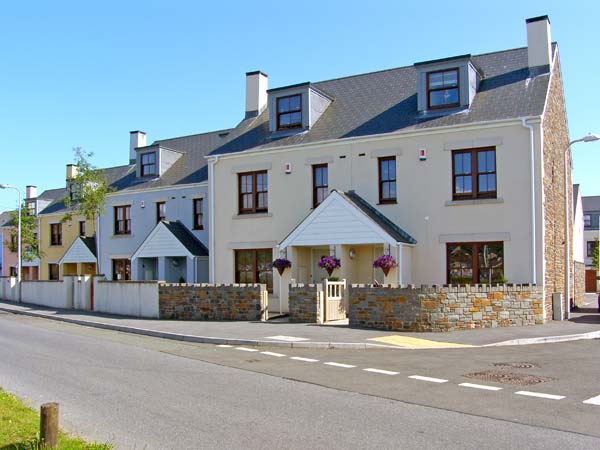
(140, 392)
(584, 324)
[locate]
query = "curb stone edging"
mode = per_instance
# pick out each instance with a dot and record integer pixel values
(263, 343)
(202, 339)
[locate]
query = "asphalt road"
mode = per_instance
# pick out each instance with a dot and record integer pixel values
(146, 393)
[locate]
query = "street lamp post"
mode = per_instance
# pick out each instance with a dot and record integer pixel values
(587, 138)
(8, 186)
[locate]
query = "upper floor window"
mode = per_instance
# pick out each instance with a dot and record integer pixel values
(123, 219)
(591, 248)
(148, 164)
(442, 89)
(252, 192)
(31, 207)
(82, 228)
(198, 214)
(13, 243)
(161, 211)
(387, 179)
(587, 220)
(56, 234)
(320, 184)
(474, 174)
(289, 112)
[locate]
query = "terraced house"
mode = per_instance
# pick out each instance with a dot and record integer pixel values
(452, 166)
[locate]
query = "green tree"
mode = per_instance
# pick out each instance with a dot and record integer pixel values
(87, 190)
(29, 223)
(596, 256)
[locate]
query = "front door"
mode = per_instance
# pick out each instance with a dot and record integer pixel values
(590, 281)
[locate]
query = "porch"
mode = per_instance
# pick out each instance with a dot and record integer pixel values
(352, 231)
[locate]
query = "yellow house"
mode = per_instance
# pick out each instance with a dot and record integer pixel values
(67, 248)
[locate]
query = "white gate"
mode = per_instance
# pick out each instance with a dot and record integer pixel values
(335, 307)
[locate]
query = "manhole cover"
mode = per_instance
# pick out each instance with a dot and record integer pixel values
(516, 365)
(518, 379)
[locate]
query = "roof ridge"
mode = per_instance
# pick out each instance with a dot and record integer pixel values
(192, 135)
(410, 66)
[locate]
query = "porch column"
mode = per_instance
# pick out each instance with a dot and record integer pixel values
(190, 266)
(161, 267)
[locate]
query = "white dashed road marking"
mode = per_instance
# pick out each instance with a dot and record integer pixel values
(298, 358)
(540, 395)
(431, 380)
(385, 372)
(593, 401)
(244, 349)
(480, 386)
(279, 355)
(225, 345)
(345, 366)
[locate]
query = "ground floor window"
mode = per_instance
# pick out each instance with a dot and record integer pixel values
(475, 263)
(53, 271)
(254, 266)
(121, 269)
(13, 271)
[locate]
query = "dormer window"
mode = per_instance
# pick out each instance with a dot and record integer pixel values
(289, 112)
(148, 164)
(442, 89)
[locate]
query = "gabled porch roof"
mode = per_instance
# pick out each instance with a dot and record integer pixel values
(82, 250)
(170, 239)
(346, 218)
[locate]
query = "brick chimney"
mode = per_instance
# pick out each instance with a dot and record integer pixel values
(539, 42)
(257, 84)
(136, 139)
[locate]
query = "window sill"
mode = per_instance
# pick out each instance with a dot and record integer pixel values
(252, 216)
(475, 201)
(198, 228)
(390, 202)
(118, 236)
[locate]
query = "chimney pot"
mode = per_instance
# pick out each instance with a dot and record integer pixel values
(539, 42)
(136, 139)
(257, 83)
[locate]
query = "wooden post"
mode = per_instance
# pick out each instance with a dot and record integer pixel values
(49, 425)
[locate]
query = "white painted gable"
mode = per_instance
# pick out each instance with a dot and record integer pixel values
(78, 253)
(337, 221)
(161, 242)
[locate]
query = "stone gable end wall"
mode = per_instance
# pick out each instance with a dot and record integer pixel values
(244, 302)
(444, 309)
(556, 140)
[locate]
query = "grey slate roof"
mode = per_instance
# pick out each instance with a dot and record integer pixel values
(386, 101)
(390, 227)
(591, 204)
(52, 194)
(90, 243)
(187, 239)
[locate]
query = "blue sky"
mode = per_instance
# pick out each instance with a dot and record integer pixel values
(83, 74)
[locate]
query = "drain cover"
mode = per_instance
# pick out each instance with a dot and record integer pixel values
(518, 379)
(516, 365)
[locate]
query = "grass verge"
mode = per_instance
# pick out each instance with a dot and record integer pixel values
(19, 428)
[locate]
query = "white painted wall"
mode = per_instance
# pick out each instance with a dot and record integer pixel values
(54, 294)
(424, 208)
(137, 298)
(9, 289)
(82, 292)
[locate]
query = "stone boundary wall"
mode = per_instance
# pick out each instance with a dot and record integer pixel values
(444, 308)
(579, 283)
(305, 303)
(245, 302)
